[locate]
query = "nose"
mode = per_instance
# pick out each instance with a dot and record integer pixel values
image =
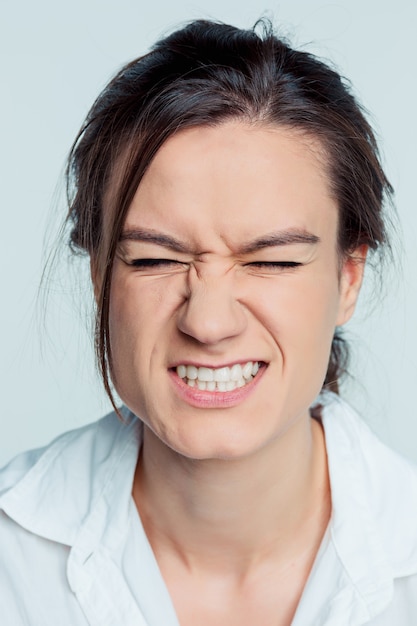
(211, 312)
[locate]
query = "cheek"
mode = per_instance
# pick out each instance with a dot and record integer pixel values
(127, 317)
(313, 327)
(300, 313)
(134, 305)
(314, 296)
(140, 313)
(124, 316)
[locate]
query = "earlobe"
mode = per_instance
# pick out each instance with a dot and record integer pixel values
(351, 277)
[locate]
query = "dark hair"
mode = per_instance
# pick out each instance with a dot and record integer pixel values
(203, 74)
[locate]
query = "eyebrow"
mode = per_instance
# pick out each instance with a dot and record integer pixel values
(150, 236)
(279, 238)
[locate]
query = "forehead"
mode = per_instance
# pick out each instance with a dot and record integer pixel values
(235, 179)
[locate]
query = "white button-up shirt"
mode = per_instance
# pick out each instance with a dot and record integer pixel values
(73, 551)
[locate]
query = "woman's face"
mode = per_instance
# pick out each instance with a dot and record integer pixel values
(228, 270)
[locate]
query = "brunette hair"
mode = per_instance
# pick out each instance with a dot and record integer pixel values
(204, 74)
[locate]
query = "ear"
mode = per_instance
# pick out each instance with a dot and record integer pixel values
(351, 277)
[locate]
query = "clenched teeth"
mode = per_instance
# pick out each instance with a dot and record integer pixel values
(221, 379)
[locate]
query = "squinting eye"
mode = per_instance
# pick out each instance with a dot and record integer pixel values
(156, 264)
(152, 262)
(275, 264)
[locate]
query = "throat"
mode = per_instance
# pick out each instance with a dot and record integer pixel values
(231, 515)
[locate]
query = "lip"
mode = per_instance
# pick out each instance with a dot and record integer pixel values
(214, 399)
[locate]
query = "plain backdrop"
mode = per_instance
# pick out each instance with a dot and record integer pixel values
(55, 58)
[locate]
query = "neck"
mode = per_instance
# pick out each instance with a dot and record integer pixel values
(234, 514)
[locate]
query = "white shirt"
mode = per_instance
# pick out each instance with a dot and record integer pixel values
(73, 551)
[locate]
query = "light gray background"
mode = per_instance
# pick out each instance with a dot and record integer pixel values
(55, 57)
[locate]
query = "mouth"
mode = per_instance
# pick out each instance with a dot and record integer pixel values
(220, 380)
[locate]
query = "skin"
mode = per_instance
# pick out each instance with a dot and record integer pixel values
(235, 496)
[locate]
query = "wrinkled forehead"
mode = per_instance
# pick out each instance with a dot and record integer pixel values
(233, 178)
(235, 174)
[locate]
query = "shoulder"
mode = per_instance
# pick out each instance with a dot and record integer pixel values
(378, 479)
(95, 439)
(57, 505)
(51, 490)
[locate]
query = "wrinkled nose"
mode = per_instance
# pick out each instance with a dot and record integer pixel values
(212, 313)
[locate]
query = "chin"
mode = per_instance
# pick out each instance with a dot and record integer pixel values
(216, 442)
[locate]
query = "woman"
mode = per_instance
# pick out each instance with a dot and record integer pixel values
(227, 190)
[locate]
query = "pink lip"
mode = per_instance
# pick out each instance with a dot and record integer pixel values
(214, 399)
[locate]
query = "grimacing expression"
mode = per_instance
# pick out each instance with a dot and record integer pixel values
(227, 288)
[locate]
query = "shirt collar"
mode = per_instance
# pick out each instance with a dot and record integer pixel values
(373, 520)
(82, 473)
(78, 494)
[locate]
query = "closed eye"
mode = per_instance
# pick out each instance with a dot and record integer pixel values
(157, 267)
(147, 263)
(274, 264)
(154, 264)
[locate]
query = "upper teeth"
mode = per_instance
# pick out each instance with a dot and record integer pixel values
(207, 377)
